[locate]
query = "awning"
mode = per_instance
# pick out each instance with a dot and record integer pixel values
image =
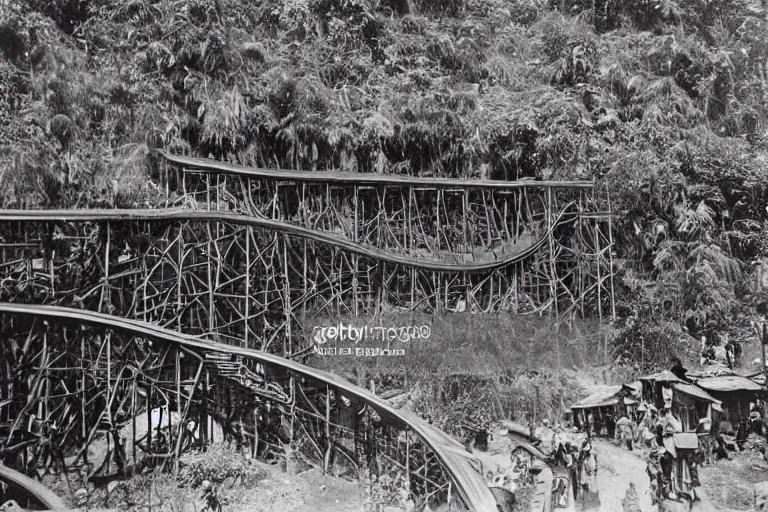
(729, 384)
(664, 376)
(695, 392)
(710, 371)
(604, 398)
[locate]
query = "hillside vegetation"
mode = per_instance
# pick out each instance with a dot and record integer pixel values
(663, 102)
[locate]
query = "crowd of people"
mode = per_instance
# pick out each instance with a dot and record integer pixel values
(574, 450)
(673, 468)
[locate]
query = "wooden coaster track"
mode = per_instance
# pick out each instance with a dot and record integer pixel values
(187, 309)
(71, 358)
(256, 257)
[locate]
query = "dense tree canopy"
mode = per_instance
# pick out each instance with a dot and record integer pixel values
(662, 101)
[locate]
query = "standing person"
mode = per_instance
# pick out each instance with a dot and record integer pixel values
(624, 431)
(556, 442)
(661, 425)
(574, 469)
(704, 433)
(588, 466)
(756, 418)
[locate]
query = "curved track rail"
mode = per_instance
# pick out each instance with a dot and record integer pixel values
(182, 214)
(215, 167)
(459, 463)
(38, 491)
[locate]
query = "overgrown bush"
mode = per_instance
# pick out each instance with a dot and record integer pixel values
(217, 465)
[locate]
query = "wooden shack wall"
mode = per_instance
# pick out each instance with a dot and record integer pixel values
(735, 404)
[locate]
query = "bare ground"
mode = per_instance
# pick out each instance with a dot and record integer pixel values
(728, 484)
(617, 467)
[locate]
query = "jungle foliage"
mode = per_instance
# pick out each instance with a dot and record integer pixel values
(663, 102)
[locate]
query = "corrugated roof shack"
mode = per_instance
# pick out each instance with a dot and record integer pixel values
(610, 401)
(735, 393)
(689, 403)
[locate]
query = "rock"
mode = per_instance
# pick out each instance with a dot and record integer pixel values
(111, 486)
(323, 488)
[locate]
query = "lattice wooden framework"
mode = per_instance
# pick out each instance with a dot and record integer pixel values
(253, 258)
(256, 258)
(493, 245)
(88, 391)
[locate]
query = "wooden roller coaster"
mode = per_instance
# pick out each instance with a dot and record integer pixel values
(256, 258)
(200, 309)
(81, 379)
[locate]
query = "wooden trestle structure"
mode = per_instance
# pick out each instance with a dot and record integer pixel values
(84, 392)
(198, 308)
(256, 258)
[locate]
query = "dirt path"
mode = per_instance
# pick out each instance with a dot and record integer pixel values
(617, 467)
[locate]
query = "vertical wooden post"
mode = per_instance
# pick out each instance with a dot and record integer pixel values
(134, 413)
(83, 400)
(306, 288)
(610, 253)
(383, 293)
(763, 339)
(209, 259)
(355, 230)
(51, 272)
(183, 414)
(110, 392)
(255, 445)
(217, 280)
(581, 262)
(293, 406)
(444, 279)
(149, 419)
(287, 304)
(327, 458)
(409, 220)
(204, 410)
(105, 288)
(180, 413)
(304, 263)
(180, 266)
(598, 251)
(42, 412)
(506, 219)
(552, 260)
(247, 313)
(438, 204)
(464, 208)
(408, 459)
